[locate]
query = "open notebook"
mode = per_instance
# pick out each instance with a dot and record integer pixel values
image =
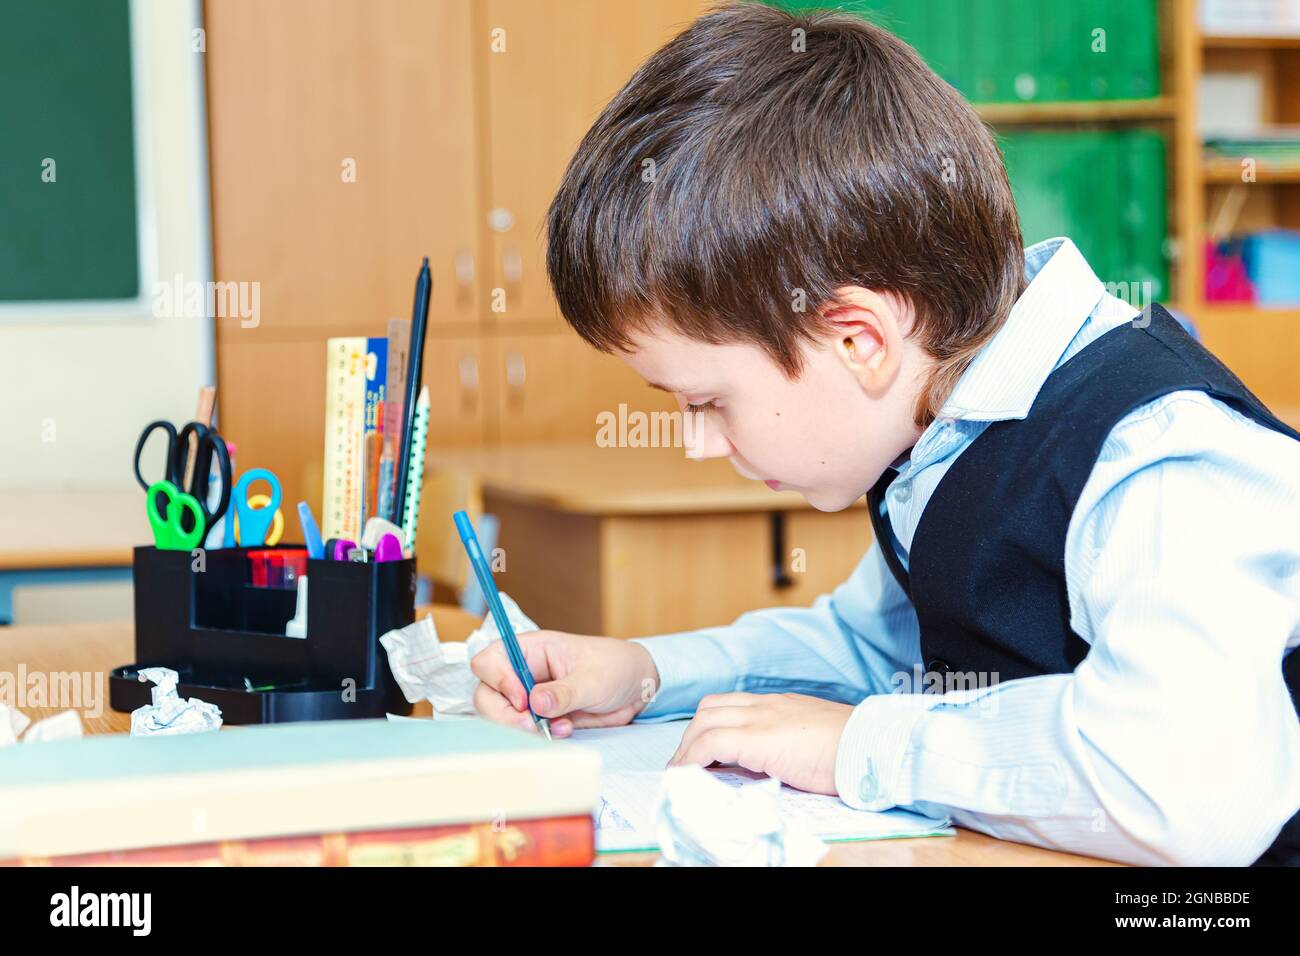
(632, 764)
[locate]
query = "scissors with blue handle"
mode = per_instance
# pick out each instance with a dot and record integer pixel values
(255, 523)
(170, 499)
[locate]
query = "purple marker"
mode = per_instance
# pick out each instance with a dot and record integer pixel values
(388, 549)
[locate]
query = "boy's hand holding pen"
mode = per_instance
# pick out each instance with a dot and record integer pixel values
(581, 681)
(569, 687)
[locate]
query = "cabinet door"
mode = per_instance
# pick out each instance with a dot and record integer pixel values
(552, 385)
(551, 65)
(343, 149)
(461, 377)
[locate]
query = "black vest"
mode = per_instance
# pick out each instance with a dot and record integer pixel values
(986, 570)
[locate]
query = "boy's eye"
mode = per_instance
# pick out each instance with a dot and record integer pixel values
(699, 408)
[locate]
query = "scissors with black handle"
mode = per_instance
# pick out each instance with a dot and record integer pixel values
(170, 501)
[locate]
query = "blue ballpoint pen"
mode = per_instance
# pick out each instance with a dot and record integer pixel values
(488, 586)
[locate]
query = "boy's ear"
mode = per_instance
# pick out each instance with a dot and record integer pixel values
(866, 336)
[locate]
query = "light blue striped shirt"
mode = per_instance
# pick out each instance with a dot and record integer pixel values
(1175, 740)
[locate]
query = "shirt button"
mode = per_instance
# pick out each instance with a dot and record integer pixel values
(903, 492)
(868, 788)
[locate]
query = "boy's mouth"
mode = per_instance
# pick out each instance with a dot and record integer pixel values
(774, 485)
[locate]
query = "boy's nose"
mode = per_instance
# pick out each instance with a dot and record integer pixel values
(703, 442)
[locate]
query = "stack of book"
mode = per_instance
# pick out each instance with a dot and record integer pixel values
(1272, 150)
(329, 793)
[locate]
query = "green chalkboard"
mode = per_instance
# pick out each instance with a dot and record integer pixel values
(68, 222)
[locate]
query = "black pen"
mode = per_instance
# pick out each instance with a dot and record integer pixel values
(414, 367)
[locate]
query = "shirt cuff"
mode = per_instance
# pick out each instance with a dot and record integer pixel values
(869, 762)
(688, 670)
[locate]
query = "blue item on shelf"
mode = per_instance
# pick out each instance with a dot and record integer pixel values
(1273, 263)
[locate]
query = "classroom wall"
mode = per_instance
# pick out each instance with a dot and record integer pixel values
(78, 384)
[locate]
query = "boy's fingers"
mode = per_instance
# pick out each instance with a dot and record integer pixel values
(492, 706)
(572, 693)
(717, 745)
(706, 721)
(492, 667)
(533, 644)
(555, 698)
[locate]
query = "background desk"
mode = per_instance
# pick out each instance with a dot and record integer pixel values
(67, 536)
(636, 541)
(100, 647)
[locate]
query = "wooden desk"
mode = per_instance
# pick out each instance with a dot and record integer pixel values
(98, 648)
(637, 541)
(67, 536)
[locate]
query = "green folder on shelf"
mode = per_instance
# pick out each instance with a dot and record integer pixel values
(986, 44)
(1018, 51)
(1106, 190)
(1025, 50)
(1147, 212)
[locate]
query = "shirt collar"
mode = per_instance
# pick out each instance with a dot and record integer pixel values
(1005, 376)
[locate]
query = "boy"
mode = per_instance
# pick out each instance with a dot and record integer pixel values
(1073, 627)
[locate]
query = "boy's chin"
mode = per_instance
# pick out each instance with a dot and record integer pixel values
(830, 500)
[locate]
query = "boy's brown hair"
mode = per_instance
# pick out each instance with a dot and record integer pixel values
(761, 160)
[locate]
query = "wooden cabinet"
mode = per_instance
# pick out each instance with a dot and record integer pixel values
(550, 67)
(350, 138)
(343, 147)
(551, 386)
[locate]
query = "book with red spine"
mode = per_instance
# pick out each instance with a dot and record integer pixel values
(561, 841)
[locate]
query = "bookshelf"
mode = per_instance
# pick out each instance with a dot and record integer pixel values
(1215, 42)
(1082, 111)
(1260, 343)
(1228, 172)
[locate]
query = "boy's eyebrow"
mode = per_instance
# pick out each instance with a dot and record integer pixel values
(668, 388)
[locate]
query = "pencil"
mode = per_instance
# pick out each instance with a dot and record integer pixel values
(489, 588)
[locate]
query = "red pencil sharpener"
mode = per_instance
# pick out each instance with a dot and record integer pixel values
(277, 567)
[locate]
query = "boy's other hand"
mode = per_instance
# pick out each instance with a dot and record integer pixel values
(788, 736)
(579, 681)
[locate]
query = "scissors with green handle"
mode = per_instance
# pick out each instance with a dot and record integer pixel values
(169, 532)
(177, 504)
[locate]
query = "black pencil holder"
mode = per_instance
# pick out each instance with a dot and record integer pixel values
(199, 614)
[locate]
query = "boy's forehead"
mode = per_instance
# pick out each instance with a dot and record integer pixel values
(674, 362)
